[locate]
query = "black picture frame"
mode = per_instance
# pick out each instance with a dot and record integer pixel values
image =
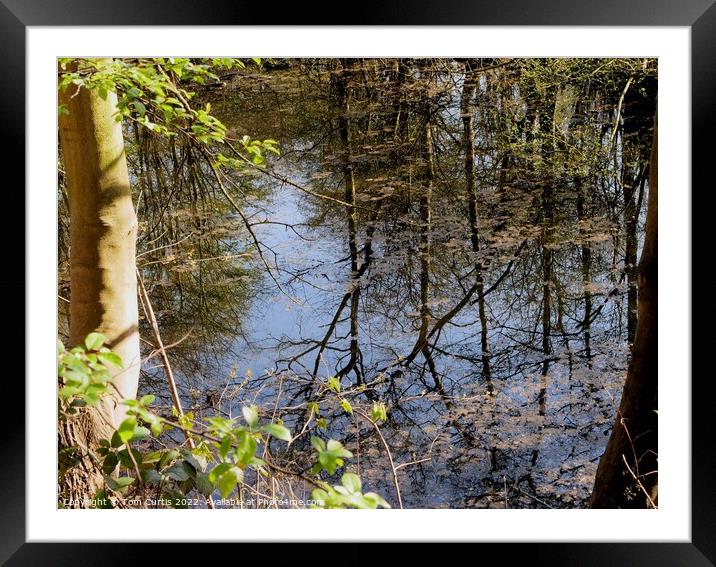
(699, 15)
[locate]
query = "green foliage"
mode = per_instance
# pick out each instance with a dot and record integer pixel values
(154, 91)
(84, 373)
(346, 405)
(334, 384)
(251, 415)
(378, 412)
(221, 452)
(347, 495)
(278, 431)
(256, 149)
(330, 455)
(159, 94)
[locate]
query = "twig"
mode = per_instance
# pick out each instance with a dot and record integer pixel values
(134, 461)
(390, 456)
(635, 475)
(156, 351)
(247, 224)
(160, 346)
(147, 306)
(282, 179)
(424, 460)
(533, 497)
(638, 483)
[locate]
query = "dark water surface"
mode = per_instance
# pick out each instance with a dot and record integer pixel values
(521, 423)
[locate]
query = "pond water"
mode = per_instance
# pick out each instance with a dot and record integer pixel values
(500, 358)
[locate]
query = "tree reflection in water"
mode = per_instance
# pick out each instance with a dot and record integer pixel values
(455, 238)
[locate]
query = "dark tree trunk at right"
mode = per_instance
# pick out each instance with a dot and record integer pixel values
(627, 473)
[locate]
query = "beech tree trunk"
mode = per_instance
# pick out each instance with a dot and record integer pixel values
(627, 473)
(103, 292)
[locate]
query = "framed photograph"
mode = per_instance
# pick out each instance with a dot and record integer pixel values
(287, 269)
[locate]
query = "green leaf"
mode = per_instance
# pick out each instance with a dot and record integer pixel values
(152, 457)
(329, 461)
(379, 412)
(126, 429)
(119, 483)
(228, 481)
(76, 378)
(245, 448)
(352, 482)
(94, 341)
(278, 431)
(151, 476)
(168, 457)
(177, 472)
(110, 359)
(110, 463)
(219, 424)
(334, 384)
(101, 501)
(140, 108)
(126, 460)
(251, 415)
(197, 461)
(203, 484)
(347, 407)
(186, 420)
(338, 448)
(225, 446)
(317, 443)
(376, 500)
(216, 473)
(156, 427)
(140, 433)
(147, 400)
(116, 440)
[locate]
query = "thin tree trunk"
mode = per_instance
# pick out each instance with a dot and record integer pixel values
(629, 181)
(586, 260)
(427, 177)
(546, 119)
(103, 292)
(545, 114)
(627, 472)
(425, 229)
(425, 250)
(468, 93)
(344, 129)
